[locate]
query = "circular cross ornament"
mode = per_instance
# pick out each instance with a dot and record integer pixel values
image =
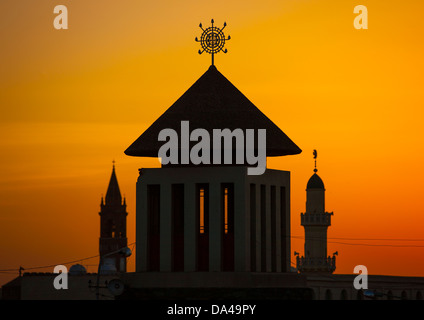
(212, 40)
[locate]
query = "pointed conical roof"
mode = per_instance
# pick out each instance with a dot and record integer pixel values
(213, 102)
(113, 194)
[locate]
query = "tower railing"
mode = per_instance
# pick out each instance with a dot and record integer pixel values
(323, 218)
(316, 264)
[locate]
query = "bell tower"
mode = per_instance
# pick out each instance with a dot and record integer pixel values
(316, 222)
(209, 211)
(113, 226)
(212, 217)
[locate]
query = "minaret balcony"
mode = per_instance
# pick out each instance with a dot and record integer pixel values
(316, 264)
(316, 219)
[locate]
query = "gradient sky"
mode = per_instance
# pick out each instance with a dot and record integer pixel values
(71, 101)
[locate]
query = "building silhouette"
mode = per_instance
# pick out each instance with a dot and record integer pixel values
(213, 218)
(316, 221)
(113, 227)
(211, 225)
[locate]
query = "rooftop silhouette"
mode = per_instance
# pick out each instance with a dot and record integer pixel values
(213, 102)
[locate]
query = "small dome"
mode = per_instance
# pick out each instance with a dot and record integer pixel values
(315, 182)
(77, 269)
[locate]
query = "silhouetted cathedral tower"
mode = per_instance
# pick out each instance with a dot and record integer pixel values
(113, 226)
(215, 217)
(212, 216)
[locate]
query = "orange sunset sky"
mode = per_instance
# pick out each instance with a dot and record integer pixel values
(71, 101)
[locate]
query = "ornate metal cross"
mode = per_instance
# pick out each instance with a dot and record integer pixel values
(212, 40)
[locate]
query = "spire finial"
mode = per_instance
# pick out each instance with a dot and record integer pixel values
(113, 195)
(212, 40)
(113, 163)
(315, 158)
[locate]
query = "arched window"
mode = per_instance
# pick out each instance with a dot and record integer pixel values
(109, 231)
(328, 295)
(404, 295)
(390, 295)
(343, 295)
(419, 295)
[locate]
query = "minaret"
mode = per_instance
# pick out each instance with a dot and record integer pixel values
(113, 226)
(316, 221)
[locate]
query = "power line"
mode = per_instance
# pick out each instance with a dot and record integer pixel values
(54, 265)
(362, 239)
(377, 245)
(11, 271)
(364, 244)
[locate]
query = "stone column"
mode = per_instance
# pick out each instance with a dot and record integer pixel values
(241, 227)
(141, 226)
(190, 227)
(278, 227)
(268, 227)
(258, 227)
(215, 227)
(165, 227)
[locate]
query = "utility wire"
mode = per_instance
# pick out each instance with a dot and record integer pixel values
(377, 245)
(362, 239)
(54, 265)
(366, 244)
(295, 237)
